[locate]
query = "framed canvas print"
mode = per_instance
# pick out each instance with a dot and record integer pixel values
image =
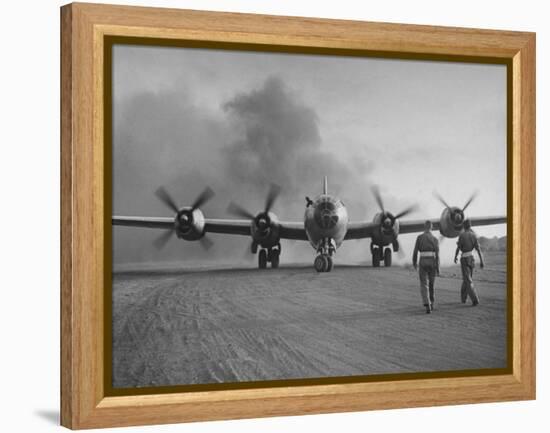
(268, 216)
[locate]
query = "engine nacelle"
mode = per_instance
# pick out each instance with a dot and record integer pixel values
(189, 224)
(265, 229)
(451, 222)
(387, 230)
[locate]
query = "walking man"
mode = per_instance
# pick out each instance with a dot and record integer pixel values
(427, 247)
(467, 242)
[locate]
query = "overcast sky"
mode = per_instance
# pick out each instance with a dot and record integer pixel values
(237, 121)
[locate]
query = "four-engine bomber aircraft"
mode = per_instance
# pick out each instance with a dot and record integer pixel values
(325, 226)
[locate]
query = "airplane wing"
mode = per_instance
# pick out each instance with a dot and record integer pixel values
(292, 230)
(365, 229)
(228, 226)
(416, 226)
(360, 230)
(149, 222)
(288, 230)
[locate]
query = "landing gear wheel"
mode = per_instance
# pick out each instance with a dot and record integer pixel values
(262, 259)
(275, 259)
(320, 263)
(387, 257)
(330, 264)
(375, 257)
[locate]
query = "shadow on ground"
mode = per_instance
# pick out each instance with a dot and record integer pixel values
(49, 415)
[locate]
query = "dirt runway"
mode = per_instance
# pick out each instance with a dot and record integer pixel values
(174, 326)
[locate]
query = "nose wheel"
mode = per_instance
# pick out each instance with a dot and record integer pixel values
(324, 262)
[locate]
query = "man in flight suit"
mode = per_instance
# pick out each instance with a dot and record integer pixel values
(427, 246)
(467, 242)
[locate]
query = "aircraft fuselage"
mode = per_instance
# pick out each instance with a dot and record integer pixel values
(326, 219)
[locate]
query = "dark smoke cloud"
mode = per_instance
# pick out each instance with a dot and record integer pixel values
(261, 136)
(281, 139)
(281, 143)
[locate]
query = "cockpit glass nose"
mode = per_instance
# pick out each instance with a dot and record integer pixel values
(327, 206)
(325, 214)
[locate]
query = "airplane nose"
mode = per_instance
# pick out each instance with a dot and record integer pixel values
(326, 220)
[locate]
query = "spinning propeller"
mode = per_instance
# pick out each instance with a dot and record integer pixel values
(387, 222)
(262, 221)
(388, 219)
(456, 213)
(185, 216)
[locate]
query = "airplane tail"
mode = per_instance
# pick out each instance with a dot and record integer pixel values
(325, 185)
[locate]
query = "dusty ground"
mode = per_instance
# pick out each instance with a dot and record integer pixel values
(173, 326)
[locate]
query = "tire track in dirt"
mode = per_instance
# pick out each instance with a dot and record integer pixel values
(245, 325)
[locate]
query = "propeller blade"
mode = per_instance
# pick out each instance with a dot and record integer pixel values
(166, 198)
(442, 200)
(203, 197)
(163, 239)
(274, 192)
(206, 242)
(235, 209)
(378, 197)
(407, 211)
(473, 196)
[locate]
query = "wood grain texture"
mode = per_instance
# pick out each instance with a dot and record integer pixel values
(84, 26)
(526, 244)
(67, 389)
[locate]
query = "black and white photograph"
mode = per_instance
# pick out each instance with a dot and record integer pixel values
(282, 216)
(275, 216)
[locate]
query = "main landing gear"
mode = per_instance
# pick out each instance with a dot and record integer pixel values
(271, 255)
(324, 262)
(380, 254)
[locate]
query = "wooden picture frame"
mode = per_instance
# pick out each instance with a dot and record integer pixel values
(84, 30)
